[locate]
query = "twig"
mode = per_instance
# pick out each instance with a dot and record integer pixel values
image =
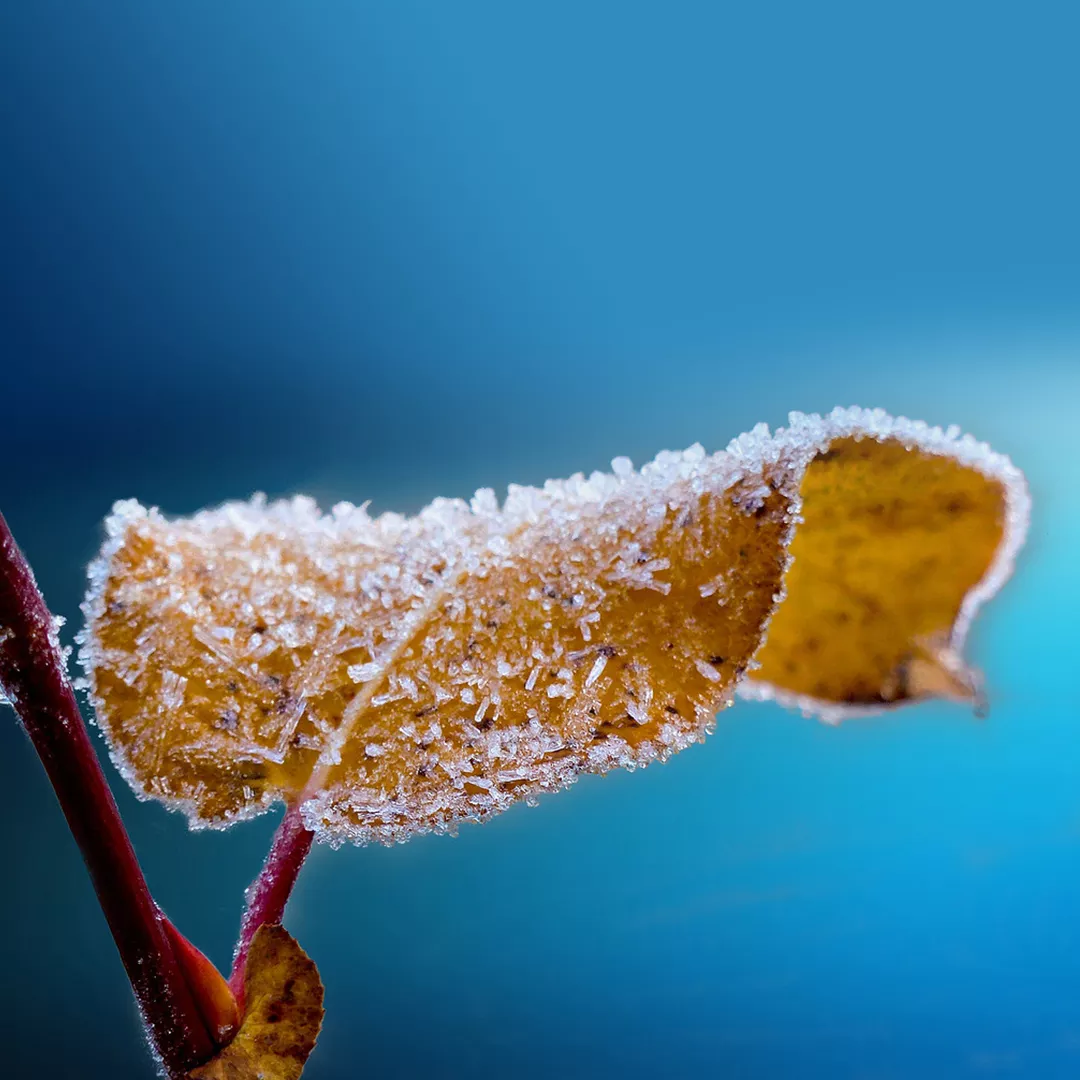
(33, 676)
(268, 894)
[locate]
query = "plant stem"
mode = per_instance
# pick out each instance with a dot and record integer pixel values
(33, 675)
(268, 894)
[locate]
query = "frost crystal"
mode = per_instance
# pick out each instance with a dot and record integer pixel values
(596, 670)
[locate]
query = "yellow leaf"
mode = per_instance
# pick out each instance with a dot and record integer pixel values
(400, 674)
(903, 536)
(284, 1012)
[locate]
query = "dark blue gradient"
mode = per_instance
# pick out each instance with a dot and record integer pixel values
(401, 250)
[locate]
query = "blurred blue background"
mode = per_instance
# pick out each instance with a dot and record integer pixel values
(400, 250)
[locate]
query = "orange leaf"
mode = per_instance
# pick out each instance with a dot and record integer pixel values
(284, 1012)
(400, 674)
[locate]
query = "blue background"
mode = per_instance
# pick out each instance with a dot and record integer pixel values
(407, 249)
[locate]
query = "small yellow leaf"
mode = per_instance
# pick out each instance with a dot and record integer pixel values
(283, 1014)
(394, 674)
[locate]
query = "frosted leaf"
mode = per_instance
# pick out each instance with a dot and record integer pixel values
(396, 674)
(348, 630)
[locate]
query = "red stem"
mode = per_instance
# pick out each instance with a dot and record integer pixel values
(34, 677)
(268, 894)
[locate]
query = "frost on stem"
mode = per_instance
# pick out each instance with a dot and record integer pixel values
(390, 675)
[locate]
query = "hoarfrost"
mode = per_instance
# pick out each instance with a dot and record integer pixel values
(596, 670)
(173, 689)
(707, 670)
(717, 587)
(362, 673)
